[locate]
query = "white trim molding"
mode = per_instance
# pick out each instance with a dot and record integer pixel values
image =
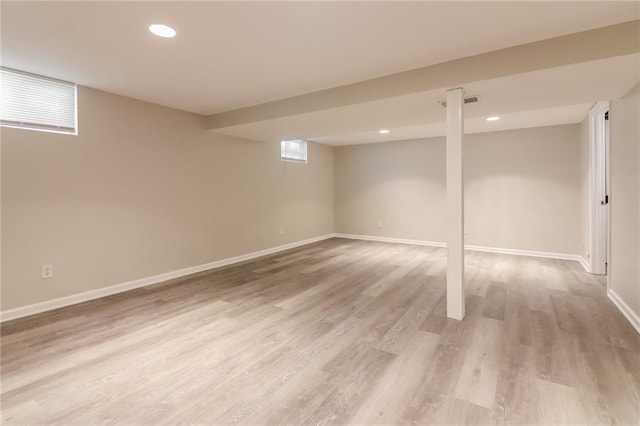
(73, 299)
(585, 263)
(515, 252)
(529, 253)
(598, 166)
(391, 240)
(633, 318)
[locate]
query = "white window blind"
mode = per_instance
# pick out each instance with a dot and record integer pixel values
(33, 102)
(295, 150)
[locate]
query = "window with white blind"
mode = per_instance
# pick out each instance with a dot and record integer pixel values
(34, 102)
(295, 150)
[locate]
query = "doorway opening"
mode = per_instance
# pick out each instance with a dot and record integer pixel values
(599, 194)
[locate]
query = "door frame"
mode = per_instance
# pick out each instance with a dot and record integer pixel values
(599, 188)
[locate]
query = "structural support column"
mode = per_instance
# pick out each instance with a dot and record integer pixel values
(455, 205)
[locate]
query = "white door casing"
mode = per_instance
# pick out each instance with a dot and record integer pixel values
(599, 191)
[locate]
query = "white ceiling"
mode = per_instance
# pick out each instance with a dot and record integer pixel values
(229, 55)
(546, 97)
(513, 120)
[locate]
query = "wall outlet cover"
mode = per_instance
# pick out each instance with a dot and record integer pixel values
(47, 271)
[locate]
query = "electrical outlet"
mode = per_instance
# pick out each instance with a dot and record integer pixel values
(47, 271)
(379, 225)
(466, 229)
(281, 230)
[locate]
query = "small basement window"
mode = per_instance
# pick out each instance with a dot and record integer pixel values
(34, 102)
(294, 150)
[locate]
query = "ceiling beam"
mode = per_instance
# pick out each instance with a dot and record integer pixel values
(600, 43)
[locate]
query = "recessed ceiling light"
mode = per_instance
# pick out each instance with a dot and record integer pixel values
(494, 118)
(162, 30)
(383, 131)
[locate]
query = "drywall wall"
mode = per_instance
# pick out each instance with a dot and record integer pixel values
(144, 190)
(523, 189)
(624, 266)
(392, 189)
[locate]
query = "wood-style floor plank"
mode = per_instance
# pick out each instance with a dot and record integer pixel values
(399, 382)
(336, 332)
(479, 375)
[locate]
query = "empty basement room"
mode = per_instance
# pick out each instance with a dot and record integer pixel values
(352, 213)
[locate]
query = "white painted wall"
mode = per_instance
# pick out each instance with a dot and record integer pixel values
(624, 271)
(144, 190)
(523, 189)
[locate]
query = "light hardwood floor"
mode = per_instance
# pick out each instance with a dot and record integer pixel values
(339, 332)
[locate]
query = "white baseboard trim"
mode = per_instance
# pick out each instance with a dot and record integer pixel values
(585, 264)
(515, 252)
(391, 240)
(529, 253)
(48, 305)
(73, 299)
(633, 318)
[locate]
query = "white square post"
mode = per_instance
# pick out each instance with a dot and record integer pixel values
(455, 205)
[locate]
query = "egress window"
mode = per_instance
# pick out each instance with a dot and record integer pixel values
(33, 102)
(294, 150)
